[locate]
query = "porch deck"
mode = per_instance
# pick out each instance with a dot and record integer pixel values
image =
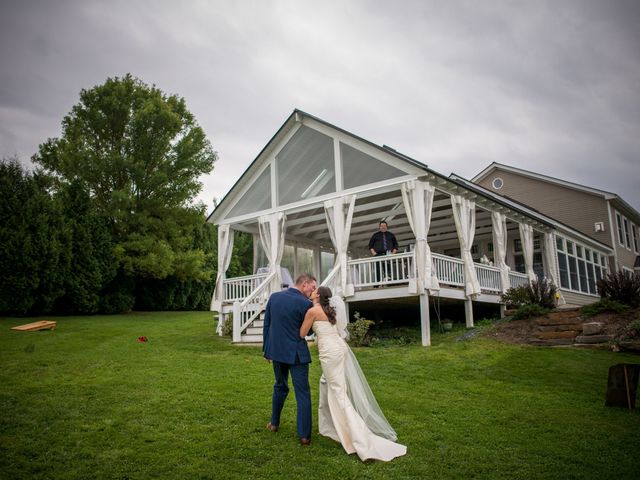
(375, 278)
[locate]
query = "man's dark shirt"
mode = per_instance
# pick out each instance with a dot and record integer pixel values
(377, 243)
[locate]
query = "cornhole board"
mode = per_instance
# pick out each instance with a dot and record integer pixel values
(41, 325)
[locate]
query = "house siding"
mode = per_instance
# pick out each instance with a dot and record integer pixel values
(579, 210)
(573, 298)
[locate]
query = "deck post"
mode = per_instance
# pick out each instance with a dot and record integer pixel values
(425, 324)
(503, 309)
(237, 336)
(468, 312)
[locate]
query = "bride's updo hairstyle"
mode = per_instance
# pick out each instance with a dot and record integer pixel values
(324, 294)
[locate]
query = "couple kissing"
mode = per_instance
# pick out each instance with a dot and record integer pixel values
(347, 409)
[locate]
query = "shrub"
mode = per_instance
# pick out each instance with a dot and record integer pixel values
(227, 327)
(528, 311)
(539, 292)
(358, 330)
(604, 305)
(632, 331)
(515, 296)
(621, 287)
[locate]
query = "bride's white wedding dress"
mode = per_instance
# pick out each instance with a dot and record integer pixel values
(347, 411)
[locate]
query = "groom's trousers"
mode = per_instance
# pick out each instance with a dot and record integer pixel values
(300, 378)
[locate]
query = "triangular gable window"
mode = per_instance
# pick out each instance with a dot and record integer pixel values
(257, 198)
(361, 169)
(306, 168)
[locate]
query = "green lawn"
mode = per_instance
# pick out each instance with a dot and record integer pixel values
(88, 401)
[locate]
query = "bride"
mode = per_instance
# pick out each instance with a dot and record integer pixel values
(347, 411)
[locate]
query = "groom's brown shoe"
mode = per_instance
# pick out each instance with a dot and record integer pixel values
(305, 441)
(273, 428)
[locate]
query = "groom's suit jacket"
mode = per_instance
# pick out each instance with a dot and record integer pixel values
(281, 332)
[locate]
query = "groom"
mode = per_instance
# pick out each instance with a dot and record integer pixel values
(282, 345)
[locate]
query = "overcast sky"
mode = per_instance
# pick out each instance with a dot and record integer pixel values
(548, 86)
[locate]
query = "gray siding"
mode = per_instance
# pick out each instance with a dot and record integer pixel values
(579, 210)
(577, 299)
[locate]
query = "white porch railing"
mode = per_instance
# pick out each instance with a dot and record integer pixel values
(251, 292)
(245, 312)
(516, 279)
(489, 278)
(383, 270)
(239, 288)
(449, 270)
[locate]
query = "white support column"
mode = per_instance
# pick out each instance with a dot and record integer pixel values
(317, 265)
(237, 337)
(468, 312)
(503, 309)
(425, 323)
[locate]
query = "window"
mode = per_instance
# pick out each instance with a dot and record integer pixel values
(304, 261)
(634, 233)
(490, 247)
(580, 268)
(517, 245)
(537, 264)
(257, 198)
(619, 225)
(358, 168)
(497, 183)
(625, 222)
(306, 168)
(564, 270)
(326, 264)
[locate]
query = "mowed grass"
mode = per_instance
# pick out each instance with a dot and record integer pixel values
(88, 401)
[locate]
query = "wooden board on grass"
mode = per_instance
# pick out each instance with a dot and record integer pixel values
(41, 325)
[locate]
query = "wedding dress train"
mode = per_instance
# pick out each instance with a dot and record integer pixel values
(348, 412)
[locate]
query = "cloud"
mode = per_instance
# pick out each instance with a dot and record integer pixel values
(546, 86)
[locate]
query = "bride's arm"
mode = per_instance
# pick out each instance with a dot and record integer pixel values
(307, 323)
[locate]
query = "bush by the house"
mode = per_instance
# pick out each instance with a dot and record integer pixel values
(358, 330)
(540, 292)
(623, 287)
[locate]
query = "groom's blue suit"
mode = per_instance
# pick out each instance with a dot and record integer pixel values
(282, 345)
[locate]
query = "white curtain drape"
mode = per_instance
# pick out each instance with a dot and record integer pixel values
(225, 249)
(526, 237)
(499, 222)
(272, 238)
(464, 214)
(339, 214)
(418, 202)
(550, 256)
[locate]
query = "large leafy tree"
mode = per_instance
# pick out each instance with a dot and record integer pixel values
(139, 153)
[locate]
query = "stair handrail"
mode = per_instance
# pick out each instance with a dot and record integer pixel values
(329, 280)
(243, 316)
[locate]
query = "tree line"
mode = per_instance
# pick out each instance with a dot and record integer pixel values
(107, 221)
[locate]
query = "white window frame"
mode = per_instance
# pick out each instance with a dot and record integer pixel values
(627, 235)
(588, 257)
(619, 228)
(634, 234)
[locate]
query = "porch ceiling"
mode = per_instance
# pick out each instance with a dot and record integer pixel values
(309, 226)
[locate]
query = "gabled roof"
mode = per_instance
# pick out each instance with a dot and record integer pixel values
(556, 181)
(538, 176)
(296, 116)
(447, 182)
